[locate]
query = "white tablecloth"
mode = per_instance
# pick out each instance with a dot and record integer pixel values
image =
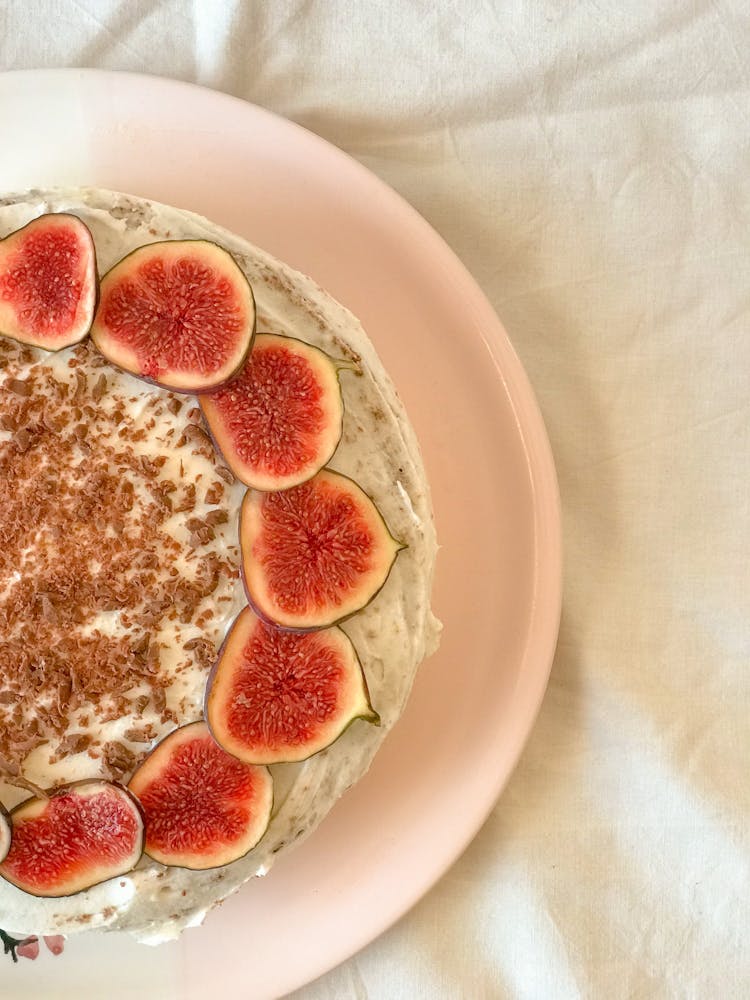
(589, 163)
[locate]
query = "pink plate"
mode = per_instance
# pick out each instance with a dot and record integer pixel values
(495, 495)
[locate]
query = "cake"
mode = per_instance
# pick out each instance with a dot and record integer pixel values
(120, 568)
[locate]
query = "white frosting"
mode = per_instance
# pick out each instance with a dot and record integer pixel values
(392, 635)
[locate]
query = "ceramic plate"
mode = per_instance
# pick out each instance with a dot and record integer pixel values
(496, 505)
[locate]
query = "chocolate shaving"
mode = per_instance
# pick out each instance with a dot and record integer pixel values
(140, 645)
(119, 758)
(100, 388)
(187, 500)
(140, 734)
(19, 387)
(196, 435)
(81, 386)
(214, 493)
(225, 474)
(140, 703)
(74, 743)
(22, 439)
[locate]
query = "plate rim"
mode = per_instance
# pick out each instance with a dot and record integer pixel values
(541, 636)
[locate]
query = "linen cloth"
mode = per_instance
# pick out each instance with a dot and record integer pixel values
(588, 161)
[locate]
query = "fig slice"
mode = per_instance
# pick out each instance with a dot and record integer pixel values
(203, 808)
(314, 554)
(276, 697)
(179, 313)
(48, 282)
(280, 419)
(82, 834)
(5, 831)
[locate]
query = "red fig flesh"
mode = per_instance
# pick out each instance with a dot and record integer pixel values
(314, 554)
(48, 282)
(4, 833)
(179, 313)
(203, 808)
(277, 696)
(279, 420)
(83, 834)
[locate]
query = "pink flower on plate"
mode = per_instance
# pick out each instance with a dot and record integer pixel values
(55, 943)
(28, 948)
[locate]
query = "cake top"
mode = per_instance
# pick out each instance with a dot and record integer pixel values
(391, 636)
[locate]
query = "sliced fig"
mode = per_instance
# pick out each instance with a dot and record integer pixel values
(83, 834)
(315, 554)
(179, 313)
(276, 696)
(4, 832)
(203, 808)
(279, 420)
(48, 282)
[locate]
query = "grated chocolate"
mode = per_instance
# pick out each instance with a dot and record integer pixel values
(88, 556)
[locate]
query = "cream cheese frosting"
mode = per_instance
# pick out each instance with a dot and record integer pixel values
(392, 635)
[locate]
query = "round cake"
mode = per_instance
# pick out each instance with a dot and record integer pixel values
(122, 560)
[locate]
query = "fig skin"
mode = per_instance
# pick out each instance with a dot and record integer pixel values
(327, 373)
(104, 340)
(63, 789)
(54, 345)
(248, 621)
(6, 832)
(142, 781)
(247, 558)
